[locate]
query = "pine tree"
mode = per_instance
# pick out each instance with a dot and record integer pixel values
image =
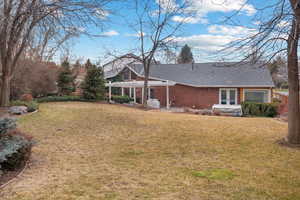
(88, 64)
(65, 79)
(186, 55)
(94, 85)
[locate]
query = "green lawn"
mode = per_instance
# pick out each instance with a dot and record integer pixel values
(95, 151)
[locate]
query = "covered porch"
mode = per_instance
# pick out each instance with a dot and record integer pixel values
(134, 85)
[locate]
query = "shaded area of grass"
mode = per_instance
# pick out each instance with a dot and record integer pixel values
(214, 174)
(95, 151)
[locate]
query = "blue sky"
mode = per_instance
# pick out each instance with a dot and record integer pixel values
(204, 32)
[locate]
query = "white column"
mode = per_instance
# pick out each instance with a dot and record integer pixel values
(130, 95)
(168, 96)
(122, 91)
(149, 95)
(134, 95)
(142, 95)
(109, 89)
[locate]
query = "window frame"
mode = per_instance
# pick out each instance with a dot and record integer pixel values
(251, 90)
(228, 91)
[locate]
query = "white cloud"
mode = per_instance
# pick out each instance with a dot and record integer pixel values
(110, 33)
(190, 20)
(230, 30)
(205, 42)
(138, 34)
(102, 14)
(168, 5)
(283, 24)
(200, 8)
(205, 6)
(217, 38)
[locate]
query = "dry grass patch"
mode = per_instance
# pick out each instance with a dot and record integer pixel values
(94, 151)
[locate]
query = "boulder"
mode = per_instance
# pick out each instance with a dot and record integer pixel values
(18, 110)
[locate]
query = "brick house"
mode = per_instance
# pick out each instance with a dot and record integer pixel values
(201, 85)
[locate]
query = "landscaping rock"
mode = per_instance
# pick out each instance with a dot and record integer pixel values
(18, 110)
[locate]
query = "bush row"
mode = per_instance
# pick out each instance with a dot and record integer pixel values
(259, 109)
(121, 99)
(31, 105)
(59, 98)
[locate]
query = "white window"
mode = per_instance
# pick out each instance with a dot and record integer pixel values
(228, 96)
(258, 96)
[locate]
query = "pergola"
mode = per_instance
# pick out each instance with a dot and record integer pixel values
(140, 84)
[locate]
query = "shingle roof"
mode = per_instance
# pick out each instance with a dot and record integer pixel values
(211, 74)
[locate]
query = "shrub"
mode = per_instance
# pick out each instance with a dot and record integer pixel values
(31, 105)
(15, 146)
(58, 98)
(15, 152)
(259, 109)
(276, 100)
(7, 124)
(26, 97)
(121, 99)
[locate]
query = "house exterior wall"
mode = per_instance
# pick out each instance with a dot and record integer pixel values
(185, 96)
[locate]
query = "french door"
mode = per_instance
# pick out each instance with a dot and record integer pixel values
(228, 96)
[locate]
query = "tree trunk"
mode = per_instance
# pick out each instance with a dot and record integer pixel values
(5, 91)
(293, 136)
(145, 95)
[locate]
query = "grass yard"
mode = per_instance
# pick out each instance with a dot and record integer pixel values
(107, 152)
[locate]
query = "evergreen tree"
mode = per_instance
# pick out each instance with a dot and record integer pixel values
(88, 64)
(186, 55)
(94, 85)
(65, 79)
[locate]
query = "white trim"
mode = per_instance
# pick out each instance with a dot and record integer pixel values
(268, 90)
(139, 84)
(228, 95)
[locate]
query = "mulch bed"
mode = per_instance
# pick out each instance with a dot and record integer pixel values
(9, 175)
(4, 112)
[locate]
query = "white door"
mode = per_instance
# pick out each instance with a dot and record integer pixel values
(228, 96)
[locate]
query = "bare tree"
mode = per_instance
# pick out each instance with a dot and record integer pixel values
(276, 34)
(22, 20)
(156, 30)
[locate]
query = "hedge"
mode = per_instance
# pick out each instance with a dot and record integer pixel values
(121, 99)
(58, 98)
(259, 109)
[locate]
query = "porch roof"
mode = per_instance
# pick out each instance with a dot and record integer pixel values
(140, 84)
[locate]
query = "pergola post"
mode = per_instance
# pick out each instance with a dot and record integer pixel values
(134, 94)
(109, 91)
(149, 95)
(142, 95)
(168, 95)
